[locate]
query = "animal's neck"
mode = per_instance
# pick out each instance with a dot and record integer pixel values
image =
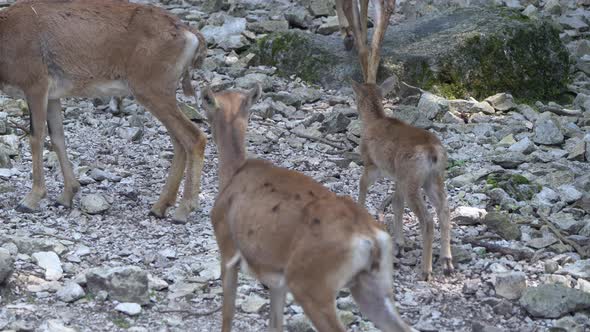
(232, 155)
(373, 112)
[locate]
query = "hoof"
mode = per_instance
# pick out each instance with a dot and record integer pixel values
(448, 268)
(179, 220)
(348, 43)
(158, 215)
(60, 202)
(426, 276)
(24, 209)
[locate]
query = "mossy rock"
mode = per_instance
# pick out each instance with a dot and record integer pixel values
(516, 185)
(463, 52)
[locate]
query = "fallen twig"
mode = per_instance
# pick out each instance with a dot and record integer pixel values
(518, 254)
(55, 236)
(26, 131)
(581, 251)
(319, 139)
(191, 313)
(322, 140)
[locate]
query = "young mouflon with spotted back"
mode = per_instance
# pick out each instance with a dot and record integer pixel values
(292, 233)
(415, 159)
(52, 49)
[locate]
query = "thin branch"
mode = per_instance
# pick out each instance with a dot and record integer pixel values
(21, 127)
(581, 251)
(191, 313)
(319, 139)
(518, 254)
(322, 140)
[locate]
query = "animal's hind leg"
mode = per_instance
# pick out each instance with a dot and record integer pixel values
(435, 190)
(170, 190)
(398, 219)
(56, 133)
(192, 141)
(374, 297)
(418, 206)
(345, 29)
(277, 306)
(370, 175)
(37, 101)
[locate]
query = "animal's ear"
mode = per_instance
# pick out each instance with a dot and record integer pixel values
(356, 86)
(208, 100)
(389, 85)
(252, 97)
(254, 94)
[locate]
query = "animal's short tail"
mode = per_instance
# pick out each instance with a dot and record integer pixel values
(197, 63)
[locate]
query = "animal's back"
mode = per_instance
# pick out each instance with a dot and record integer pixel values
(81, 41)
(393, 144)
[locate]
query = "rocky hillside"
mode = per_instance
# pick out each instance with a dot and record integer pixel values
(518, 176)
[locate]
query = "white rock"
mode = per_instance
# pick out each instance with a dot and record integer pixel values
(129, 308)
(54, 325)
(253, 303)
(156, 283)
(510, 285)
(51, 263)
(569, 193)
(94, 204)
(70, 292)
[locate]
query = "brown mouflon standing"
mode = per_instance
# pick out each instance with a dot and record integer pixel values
(93, 48)
(415, 159)
(292, 233)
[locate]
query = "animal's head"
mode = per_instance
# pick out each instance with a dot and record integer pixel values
(369, 96)
(228, 111)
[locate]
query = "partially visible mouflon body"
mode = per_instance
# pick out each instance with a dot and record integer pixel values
(416, 160)
(292, 233)
(90, 48)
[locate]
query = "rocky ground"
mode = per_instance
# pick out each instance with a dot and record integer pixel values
(518, 184)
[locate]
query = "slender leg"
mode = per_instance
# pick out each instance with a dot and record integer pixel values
(374, 297)
(398, 221)
(229, 264)
(170, 190)
(345, 29)
(37, 100)
(56, 133)
(370, 175)
(194, 145)
(277, 306)
(320, 307)
(418, 206)
(192, 141)
(362, 48)
(435, 190)
(364, 20)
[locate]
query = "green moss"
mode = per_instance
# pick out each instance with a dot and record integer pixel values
(527, 59)
(275, 50)
(519, 179)
(121, 323)
(516, 185)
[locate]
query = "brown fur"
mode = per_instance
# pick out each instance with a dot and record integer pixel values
(353, 27)
(292, 233)
(50, 49)
(415, 159)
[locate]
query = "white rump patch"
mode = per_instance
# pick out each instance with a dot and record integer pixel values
(108, 89)
(188, 54)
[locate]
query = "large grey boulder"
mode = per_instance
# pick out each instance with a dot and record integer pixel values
(125, 283)
(466, 51)
(553, 301)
